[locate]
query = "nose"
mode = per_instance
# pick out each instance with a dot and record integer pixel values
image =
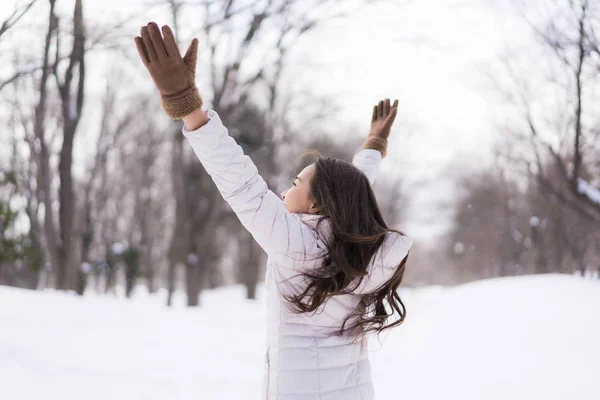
(283, 195)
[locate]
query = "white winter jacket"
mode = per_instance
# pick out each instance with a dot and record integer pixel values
(305, 360)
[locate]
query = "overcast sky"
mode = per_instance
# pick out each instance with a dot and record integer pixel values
(433, 55)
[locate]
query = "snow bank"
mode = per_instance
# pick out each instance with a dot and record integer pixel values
(513, 338)
(532, 337)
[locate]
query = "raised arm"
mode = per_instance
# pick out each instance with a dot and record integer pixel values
(261, 211)
(368, 161)
(374, 148)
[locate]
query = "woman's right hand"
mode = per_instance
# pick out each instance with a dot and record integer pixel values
(173, 75)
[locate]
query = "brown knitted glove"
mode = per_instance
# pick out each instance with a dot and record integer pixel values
(381, 124)
(173, 76)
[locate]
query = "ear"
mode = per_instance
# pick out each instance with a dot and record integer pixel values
(313, 209)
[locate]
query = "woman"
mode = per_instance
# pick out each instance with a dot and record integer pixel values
(334, 266)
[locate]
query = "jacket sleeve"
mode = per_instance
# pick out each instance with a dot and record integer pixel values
(368, 161)
(260, 210)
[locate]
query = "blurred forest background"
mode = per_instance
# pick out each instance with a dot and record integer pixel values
(99, 191)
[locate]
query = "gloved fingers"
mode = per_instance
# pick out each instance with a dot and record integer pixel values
(386, 107)
(191, 55)
(148, 45)
(391, 117)
(380, 109)
(157, 40)
(170, 42)
(139, 43)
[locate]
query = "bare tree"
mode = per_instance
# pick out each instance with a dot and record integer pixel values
(556, 140)
(41, 157)
(71, 84)
(59, 237)
(113, 125)
(504, 225)
(569, 33)
(489, 229)
(563, 240)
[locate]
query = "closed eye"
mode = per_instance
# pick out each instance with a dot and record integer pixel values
(294, 183)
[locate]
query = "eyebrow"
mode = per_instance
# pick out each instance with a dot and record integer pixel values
(298, 178)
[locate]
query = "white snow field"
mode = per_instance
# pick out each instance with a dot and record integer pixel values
(530, 337)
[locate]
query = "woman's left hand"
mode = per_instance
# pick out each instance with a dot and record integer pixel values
(382, 119)
(381, 124)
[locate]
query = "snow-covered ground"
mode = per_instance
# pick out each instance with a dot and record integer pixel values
(528, 338)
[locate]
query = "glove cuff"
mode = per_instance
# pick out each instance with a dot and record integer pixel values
(181, 104)
(376, 143)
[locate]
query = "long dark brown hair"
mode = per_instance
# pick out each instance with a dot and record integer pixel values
(343, 194)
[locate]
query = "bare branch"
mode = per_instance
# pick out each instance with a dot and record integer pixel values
(17, 14)
(577, 159)
(16, 76)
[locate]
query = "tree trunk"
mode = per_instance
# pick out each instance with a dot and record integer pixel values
(129, 285)
(582, 268)
(34, 236)
(148, 263)
(66, 269)
(72, 105)
(194, 272)
(110, 276)
(146, 251)
(44, 182)
(251, 286)
(176, 250)
(536, 238)
(86, 244)
(171, 281)
(251, 267)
